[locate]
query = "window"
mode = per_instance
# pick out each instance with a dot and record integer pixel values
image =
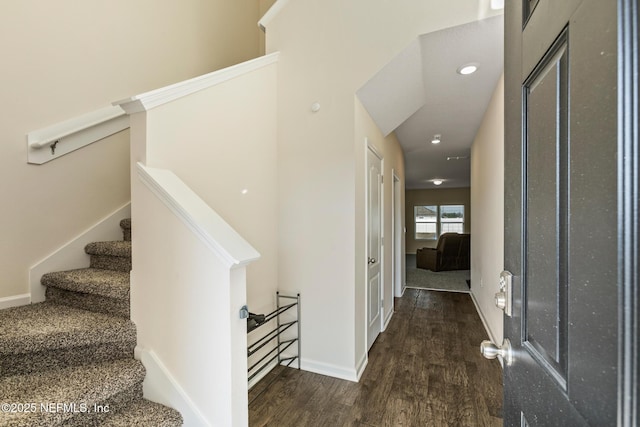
(433, 220)
(426, 222)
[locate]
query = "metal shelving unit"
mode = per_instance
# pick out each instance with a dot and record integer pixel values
(282, 343)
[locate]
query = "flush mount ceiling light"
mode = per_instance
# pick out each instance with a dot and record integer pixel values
(457, 157)
(436, 139)
(467, 69)
(437, 181)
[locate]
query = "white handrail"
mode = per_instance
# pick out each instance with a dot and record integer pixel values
(46, 136)
(70, 135)
(149, 100)
(271, 13)
(207, 225)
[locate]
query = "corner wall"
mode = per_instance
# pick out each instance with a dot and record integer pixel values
(392, 163)
(487, 198)
(66, 58)
(329, 49)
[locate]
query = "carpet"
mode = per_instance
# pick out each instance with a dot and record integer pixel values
(450, 281)
(70, 359)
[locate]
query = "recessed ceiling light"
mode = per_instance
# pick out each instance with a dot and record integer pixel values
(467, 69)
(436, 181)
(436, 139)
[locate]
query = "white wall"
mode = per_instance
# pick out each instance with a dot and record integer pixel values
(220, 142)
(65, 58)
(329, 49)
(487, 199)
(392, 162)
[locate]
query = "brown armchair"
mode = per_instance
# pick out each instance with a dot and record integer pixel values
(451, 253)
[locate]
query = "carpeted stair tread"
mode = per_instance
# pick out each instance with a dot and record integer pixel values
(47, 326)
(107, 283)
(119, 248)
(88, 385)
(144, 413)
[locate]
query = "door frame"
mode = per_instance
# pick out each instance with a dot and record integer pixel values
(369, 146)
(628, 154)
(396, 236)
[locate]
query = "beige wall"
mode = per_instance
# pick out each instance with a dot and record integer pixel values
(487, 197)
(65, 58)
(329, 49)
(444, 196)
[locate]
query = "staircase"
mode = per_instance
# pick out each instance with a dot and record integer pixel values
(69, 361)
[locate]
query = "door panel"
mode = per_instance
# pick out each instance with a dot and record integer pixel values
(374, 246)
(561, 212)
(545, 151)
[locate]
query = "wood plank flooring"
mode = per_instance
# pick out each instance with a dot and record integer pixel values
(424, 370)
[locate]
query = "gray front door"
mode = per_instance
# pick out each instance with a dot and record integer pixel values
(570, 221)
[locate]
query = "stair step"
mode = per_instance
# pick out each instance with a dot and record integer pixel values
(144, 413)
(107, 385)
(113, 255)
(102, 291)
(106, 283)
(46, 335)
(125, 224)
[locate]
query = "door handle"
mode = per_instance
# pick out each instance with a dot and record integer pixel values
(371, 261)
(504, 352)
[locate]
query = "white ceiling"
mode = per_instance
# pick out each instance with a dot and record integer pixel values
(420, 94)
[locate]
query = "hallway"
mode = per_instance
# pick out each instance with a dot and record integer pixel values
(424, 370)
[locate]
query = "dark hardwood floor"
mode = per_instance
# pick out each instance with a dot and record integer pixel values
(424, 370)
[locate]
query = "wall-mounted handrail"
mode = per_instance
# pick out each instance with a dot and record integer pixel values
(46, 136)
(69, 135)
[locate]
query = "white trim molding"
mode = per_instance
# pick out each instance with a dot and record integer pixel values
(362, 365)
(15, 301)
(484, 321)
(349, 374)
(149, 100)
(46, 144)
(210, 228)
(271, 13)
(161, 387)
(72, 255)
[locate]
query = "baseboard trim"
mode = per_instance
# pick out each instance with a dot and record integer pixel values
(362, 365)
(387, 320)
(71, 255)
(329, 370)
(159, 386)
(482, 318)
(15, 301)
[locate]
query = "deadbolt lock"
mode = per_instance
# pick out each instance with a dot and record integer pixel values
(504, 296)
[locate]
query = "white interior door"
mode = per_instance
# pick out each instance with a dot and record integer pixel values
(374, 247)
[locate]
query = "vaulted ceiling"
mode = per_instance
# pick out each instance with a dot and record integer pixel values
(420, 94)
